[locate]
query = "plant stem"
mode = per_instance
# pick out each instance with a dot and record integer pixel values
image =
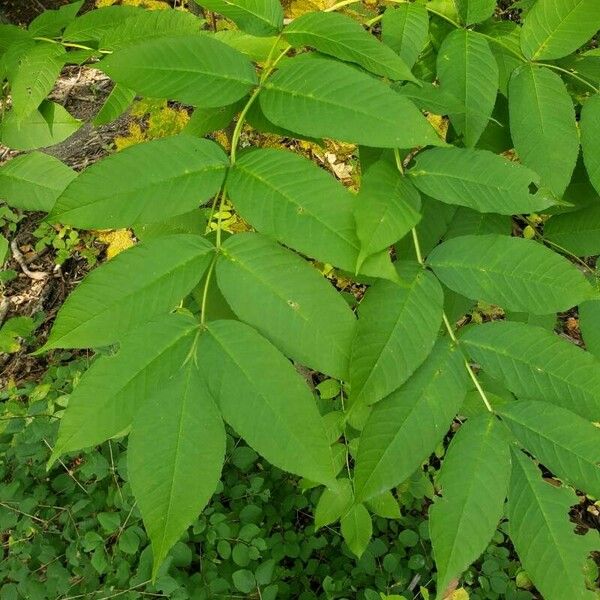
(70, 45)
(450, 329)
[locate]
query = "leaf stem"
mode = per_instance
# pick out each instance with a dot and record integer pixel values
(450, 329)
(70, 45)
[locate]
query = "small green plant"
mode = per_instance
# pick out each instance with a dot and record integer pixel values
(208, 326)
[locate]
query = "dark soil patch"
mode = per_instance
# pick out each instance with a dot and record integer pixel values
(22, 12)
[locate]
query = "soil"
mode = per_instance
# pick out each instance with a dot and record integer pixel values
(22, 12)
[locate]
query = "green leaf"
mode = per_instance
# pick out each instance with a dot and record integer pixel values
(477, 179)
(467, 69)
(388, 208)
(515, 273)
(34, 181)
(545, 540)
(51, 22)
(195, 69)
(555, 28)
(470, 222)
(590, 136)
(429, 97)
(92, 25)
(147, 25)
(474, 481)
(144, 281)
(118, 101)
(537, 364)
(207, 120)
(589, 323)
(265, 400)
(385, 505)
(357, 528)
(404, 429)
(342, 37)
(301, 313)
(405, 30)
(312, 96)
(149, 182)
(47, 126)
(564, 442)
(397, 328)
(543, 126)
(257, 17)
(146, 359)
(334, 503)
(257, 49)
(281, 195)
(577, 232)
(39, 67)
(475, 11)
(174, 458)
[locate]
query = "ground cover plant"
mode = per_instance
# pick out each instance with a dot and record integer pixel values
(476, 142)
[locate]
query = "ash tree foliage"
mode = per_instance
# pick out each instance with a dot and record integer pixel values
(208, 328)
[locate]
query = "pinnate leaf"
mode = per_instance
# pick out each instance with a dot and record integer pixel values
(405, 30)
(34, 181)
(515, 273)
(147, 357)
(319, 97)
(474, 481)
(477, 179)
(542, 125)
(555, 28)
(564, 442)
(287, 197)
(142, 282)
(397, 328)
(334, 503)
(265, 400)
(545, 540)
(195, 69)
(257, 17)
(590, 138)
(404, 428)
(340, 36)
(174, 458)
(301, 313)
(467, 69)
(149, 182)
(537, 364)
(475, 11)
(357, 528)
(577, 232)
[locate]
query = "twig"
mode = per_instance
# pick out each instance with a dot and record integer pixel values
(37, 275)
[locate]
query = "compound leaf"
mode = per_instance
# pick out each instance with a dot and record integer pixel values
(287, 197)
(564, 442)
(195, 69)
(555, 28)
(319, 97)
(147, 357)
(265, 400)
(34, 181)
(149, 182)
(387, 208)
(300, 312)
(475, 11)
(539, 527)
(577, 232)
(257, 17)
(515, 273)
(357, 529)
(142, 282)
(404, 428)
(477, 179)
(342, 37)
(174, 458)
(397, 327)
(468, 70)
(537, 364)
(543, 126)
(405, 30)
(334, 503)
(590, 138)
(474, 481)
